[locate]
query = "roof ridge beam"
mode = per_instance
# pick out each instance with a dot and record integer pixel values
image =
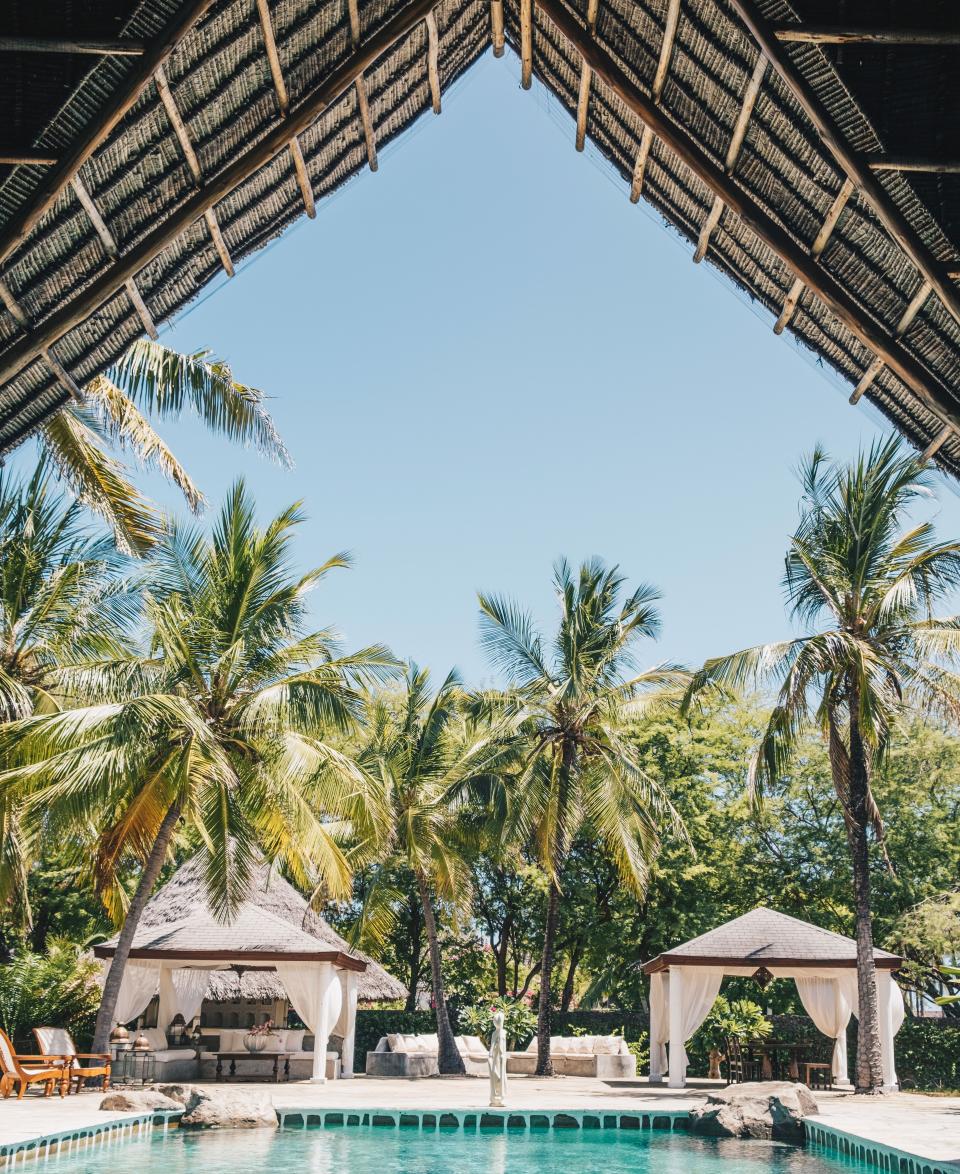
(11, 158)
(156, 53)
(852, 163)
(754, 217)
(94, 46)
(258, 155)
(925, 164)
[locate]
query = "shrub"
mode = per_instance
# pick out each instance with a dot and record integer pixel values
(519, 1021)
(56, 989)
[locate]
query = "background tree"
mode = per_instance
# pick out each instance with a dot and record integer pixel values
(579, 768)
(852, 562)
(219, 725)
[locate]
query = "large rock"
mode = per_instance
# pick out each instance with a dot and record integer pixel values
(218, 1106)
(140, 1100)
(771, 1110)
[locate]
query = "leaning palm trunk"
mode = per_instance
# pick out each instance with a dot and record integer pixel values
(148, 878)
(869, 1059)
(449, 1059)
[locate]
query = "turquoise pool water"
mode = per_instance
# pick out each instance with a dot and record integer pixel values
(350, 1150)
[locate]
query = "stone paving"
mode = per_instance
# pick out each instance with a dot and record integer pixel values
(927, 1127)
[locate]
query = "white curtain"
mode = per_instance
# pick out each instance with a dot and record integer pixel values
(137, 988)
(659, 1022)
(898, 1010)
(701, 986)
(190, 987)
(316, 998)
(827, 1002)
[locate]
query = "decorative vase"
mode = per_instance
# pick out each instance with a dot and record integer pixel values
(255, 1043)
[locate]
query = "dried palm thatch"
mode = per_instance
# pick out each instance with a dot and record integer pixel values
(272, 904)
(775, 145)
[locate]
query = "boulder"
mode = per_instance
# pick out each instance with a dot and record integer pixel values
(220, 1107)
(139, 1100)
(772, 1110)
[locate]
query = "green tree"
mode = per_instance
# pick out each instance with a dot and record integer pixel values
(219, 726)
(424, 750)
(61, 602)
(579, 768)
(882, 650)
(115, 411)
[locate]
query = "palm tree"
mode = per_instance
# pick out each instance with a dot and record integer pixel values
(217, 725)
(857, 564)
(580, 769)
(149, 378)
(423, 753)
(61, 601)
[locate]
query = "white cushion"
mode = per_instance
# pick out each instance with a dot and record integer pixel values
(294, 1038)
(395, 1042)
(475, 1044)
(532, 1045)
(607, 1045)
(278, 1040)
(157, 1038)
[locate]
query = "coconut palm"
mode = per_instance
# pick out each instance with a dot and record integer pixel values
(148, 381)
(858, 565)
(580, 770)
(423, 752)
(61, 602)
(216, 727)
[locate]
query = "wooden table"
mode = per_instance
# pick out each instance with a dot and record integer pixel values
(233, 1057)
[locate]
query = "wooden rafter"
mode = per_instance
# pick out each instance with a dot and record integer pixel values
(13, 306)
(913, 163)
(936, 444)
(636, 185)
(363, 103)
(496, 27)
(64, 378)
(754, 217)
(110, 245)
(852, 163)
(820, 243)
(433, 60)
(186, 145)
(526, 43)
(46, 195)
(583, 101)
(836, 35)
(246, 164)
(913, 309)
(303, 179)
(84, 45)
(666, 48)
(711, 222)
(11, 158)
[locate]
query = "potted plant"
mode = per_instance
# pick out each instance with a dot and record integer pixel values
(258, 1037)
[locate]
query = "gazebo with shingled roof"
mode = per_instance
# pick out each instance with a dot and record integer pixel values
(685, 981)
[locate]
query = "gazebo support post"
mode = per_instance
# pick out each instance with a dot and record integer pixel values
(678, 1067)
(348, 982)
(325, 976)
(884, 1000)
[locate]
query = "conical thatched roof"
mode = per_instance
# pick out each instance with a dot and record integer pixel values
(273, 916)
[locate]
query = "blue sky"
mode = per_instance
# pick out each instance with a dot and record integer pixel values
(483, 357)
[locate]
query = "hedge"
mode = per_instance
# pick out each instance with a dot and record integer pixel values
(928, 1050)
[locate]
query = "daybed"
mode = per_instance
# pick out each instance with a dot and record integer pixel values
(412, 1056)
(603, 1056)
(176, 1064)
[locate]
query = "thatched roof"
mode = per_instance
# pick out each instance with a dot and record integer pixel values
(764, 937)
(777, 147)
(274, 919)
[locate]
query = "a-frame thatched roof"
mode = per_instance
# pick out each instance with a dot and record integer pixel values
(273, 919)
(764, 937)
(817, 166)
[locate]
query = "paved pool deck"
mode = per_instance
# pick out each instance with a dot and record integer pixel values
(927, 1128)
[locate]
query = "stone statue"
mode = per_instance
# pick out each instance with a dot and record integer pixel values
(497, 1060)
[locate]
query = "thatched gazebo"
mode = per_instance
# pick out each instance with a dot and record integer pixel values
(275, 952)
(801, 148)
(765, 944)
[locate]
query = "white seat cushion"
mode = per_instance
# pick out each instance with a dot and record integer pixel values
(157, 1038)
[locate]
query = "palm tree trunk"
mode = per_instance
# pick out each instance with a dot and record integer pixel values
(449, 1059)
(544, 1062)
(576, 953)
(148, 878)
(415, 954)
(869, 1059)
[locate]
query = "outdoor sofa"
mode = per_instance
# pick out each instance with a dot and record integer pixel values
(411, 1056)
(176, 1064)
(604, 1056)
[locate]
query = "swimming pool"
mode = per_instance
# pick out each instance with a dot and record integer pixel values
(335, 1150)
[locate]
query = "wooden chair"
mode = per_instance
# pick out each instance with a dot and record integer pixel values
(817, 1075)
(57, 1041)
(27, 1070)
(741, 1067)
